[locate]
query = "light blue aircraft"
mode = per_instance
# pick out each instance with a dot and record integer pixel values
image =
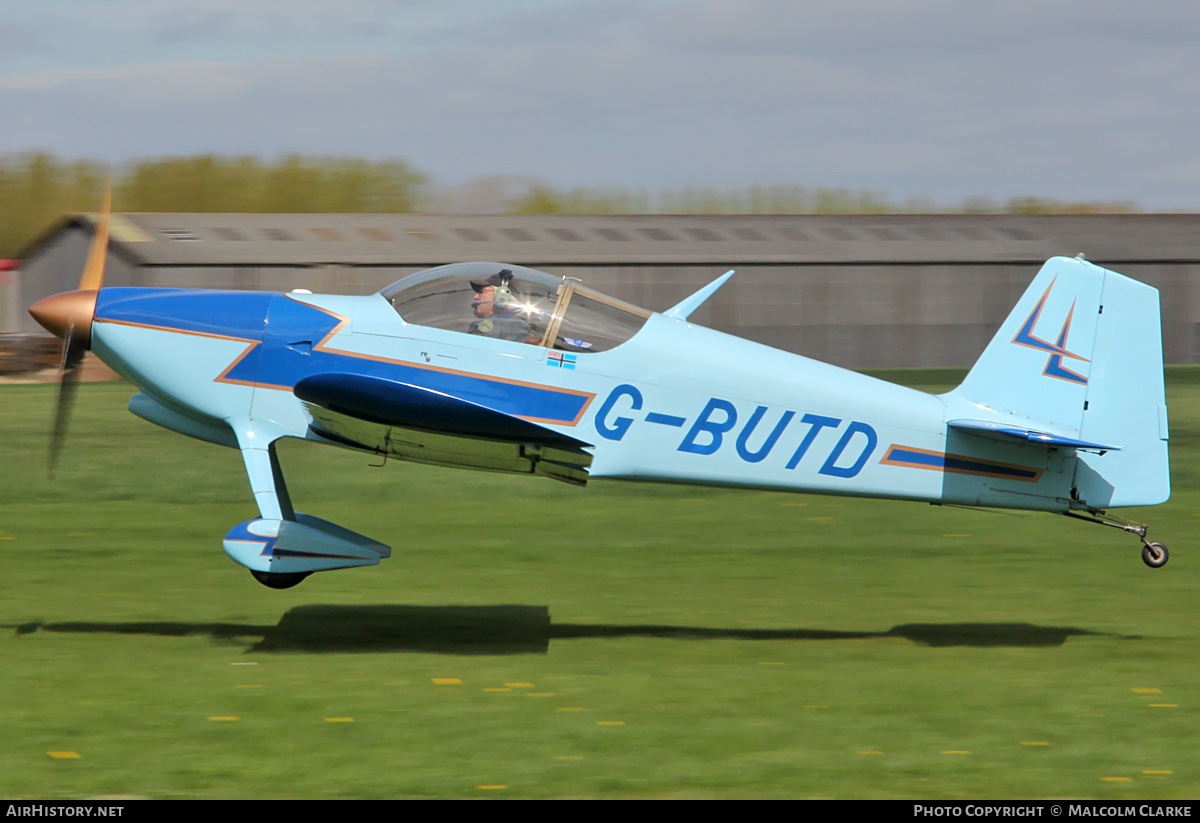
(504, 368)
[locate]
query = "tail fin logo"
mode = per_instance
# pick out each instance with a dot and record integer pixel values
(1058, 349)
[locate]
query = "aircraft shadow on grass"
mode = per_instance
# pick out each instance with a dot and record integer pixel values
(504, 630)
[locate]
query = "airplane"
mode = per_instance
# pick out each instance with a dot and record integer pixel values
(505, 368)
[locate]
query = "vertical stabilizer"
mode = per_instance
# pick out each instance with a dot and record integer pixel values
(1081, 357)
(1036, 369)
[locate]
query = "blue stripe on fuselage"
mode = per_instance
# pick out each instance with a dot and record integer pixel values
(279, 362)
(237, 314)
(957, 463)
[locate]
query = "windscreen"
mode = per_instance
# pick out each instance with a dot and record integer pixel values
(508, 302)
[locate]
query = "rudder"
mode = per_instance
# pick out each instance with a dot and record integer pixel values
(1126, 402)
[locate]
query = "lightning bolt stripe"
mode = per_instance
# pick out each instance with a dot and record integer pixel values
(1058, 350)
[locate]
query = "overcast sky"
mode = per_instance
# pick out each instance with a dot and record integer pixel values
(1071, 99)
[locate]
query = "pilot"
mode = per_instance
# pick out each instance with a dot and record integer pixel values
(497, 309)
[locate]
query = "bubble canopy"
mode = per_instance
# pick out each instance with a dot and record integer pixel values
(503, 301)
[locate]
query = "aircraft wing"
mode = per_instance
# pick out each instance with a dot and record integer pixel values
(414, 423)
(1002, 431)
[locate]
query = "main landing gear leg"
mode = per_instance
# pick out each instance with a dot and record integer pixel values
(270, 493)
(284, 546)
(1154, 555)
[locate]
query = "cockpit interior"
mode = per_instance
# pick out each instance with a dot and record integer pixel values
(515, 303)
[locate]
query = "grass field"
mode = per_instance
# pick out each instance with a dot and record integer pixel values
(529, 639)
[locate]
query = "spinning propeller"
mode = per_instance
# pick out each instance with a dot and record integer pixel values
(69, 316)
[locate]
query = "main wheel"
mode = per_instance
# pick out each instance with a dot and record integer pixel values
(276, 580)
(1155, 555)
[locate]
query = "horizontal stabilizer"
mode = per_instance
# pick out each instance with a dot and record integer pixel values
(393, 403)
(1041, 438)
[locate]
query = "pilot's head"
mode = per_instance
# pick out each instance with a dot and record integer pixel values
(495, 295)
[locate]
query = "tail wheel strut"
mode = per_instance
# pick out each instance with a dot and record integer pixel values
(1154, 555)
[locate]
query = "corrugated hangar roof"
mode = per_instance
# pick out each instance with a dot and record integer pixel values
(416, 239)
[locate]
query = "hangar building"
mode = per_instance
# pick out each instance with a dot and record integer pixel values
(860, 291)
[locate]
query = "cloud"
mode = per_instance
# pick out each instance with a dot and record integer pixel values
(852, 29)
(1072, 100)
(191, 26)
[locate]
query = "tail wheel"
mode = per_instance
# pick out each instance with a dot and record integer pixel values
(1155, 555)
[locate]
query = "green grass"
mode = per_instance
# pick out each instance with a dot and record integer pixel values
(751, 644)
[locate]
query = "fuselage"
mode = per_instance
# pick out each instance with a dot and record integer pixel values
(675, 403)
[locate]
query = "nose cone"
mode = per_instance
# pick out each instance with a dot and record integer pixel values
(61, 312)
